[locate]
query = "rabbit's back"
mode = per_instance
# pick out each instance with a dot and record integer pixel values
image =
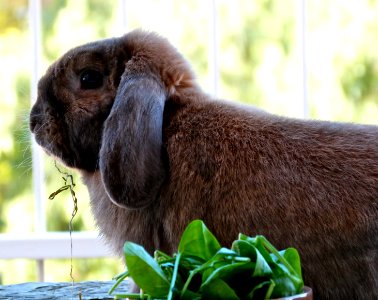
(308, 184)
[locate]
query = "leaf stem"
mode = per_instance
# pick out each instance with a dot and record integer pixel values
(129, 296)
(174, 276)
(120, 278)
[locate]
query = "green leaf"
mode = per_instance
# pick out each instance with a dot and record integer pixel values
(285, 283)
(234, 274)
(190, 262)
(218, 289)
(198, 241)
(161, 256)
(285, 273)
(244, 248)
(189, 295)
(145, 271)
(207, 268)
(292, 257)
(223, 257)
(247, 249)
(252, 269)
(259, 243)
(262, 291)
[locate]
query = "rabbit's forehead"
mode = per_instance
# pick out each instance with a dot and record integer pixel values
(84, 59)
(97, 53)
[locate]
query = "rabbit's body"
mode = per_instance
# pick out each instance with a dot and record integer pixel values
(308, 184)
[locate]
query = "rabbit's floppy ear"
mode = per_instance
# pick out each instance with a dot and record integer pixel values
(131, 162)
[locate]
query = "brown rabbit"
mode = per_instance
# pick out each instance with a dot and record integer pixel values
(156, 152)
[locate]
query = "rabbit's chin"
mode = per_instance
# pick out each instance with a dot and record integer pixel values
(71, 162)
(57, 155)
(67, 163)
(65, 159)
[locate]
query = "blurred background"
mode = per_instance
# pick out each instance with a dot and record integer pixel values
(261, 60)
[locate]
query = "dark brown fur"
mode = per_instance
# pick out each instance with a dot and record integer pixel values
(308, 184)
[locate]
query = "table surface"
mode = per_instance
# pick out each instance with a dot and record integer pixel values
(61, 290)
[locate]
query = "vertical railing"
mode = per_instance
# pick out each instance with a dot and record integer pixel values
(123, 19)
(302, 45)
(38, 174)
(213, 50)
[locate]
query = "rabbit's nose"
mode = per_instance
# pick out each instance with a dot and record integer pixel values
(35, 118)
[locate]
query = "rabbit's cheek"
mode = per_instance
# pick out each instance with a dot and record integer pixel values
(84, 125)
(84, 140)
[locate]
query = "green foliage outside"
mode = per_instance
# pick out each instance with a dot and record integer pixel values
(259, 64)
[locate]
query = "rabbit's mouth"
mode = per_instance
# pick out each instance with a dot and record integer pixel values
(49, 135)
(52, 144)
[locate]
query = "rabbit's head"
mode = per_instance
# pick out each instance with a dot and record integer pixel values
(100, 107)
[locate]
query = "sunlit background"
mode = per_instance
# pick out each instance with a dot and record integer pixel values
(260, 63)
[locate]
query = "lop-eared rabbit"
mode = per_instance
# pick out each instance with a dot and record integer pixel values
(156, 152)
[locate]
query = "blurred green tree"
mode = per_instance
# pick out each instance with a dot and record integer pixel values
(13, 14)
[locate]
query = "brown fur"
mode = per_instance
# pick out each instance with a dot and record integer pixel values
(308, 184)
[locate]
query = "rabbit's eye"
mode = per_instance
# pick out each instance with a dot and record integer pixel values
(91, 79)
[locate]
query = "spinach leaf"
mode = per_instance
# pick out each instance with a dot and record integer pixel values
(237, 275)
(145, 271)
(198, 241)
(285, 283)
(285, 265)
(244, 248)
(293, 258)
(218, 289)
(262, 291)
(223, 257)
(259, 243)
(252, 269)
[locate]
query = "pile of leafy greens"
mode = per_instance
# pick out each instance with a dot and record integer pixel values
(202, 269)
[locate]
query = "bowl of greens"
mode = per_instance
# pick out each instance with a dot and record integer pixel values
(202, 269)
